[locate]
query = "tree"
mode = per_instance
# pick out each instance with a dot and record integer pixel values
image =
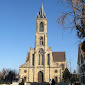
(22, 83)
(74, 72)
(0, 77)
(75, 16)
(11, 76)
(83, 46)
(74, 77)
(66, 75)
(4, 73)
(7, 76)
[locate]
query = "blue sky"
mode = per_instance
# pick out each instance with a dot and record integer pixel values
(18, 27)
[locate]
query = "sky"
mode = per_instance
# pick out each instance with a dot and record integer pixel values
(18, 28)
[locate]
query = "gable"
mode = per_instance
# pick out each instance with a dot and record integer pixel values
(25, 65)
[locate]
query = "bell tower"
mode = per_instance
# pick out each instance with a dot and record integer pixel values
(41, 30)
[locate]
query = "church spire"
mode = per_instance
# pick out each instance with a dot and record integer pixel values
(41, 12)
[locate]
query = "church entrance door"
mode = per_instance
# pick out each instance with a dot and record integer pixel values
(40, 77)
(24, 79)
(56, 80)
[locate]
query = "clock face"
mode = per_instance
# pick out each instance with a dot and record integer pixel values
(25, 71)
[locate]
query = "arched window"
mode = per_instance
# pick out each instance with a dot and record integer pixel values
(33, 59)
(48, 59)
(62, 66)
(39, 60)
(41, 51)
(41, 40)
(41, 27)
(42, 59)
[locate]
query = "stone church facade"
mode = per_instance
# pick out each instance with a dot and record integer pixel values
(41, 63)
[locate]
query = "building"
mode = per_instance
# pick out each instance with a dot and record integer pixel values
(42, 64)
(81, 63)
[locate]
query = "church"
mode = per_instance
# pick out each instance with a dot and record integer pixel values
(42, 65)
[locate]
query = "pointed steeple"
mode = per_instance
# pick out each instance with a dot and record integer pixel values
(41, 12)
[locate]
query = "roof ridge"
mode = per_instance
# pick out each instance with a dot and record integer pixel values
(59, 52)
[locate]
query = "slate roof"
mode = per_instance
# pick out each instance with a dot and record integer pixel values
(59, 56)
(41, 13)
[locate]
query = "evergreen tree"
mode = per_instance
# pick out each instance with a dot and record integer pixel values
(22, 83)
(66, 75)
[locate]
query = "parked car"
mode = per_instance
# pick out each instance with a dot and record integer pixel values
(77, 83)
